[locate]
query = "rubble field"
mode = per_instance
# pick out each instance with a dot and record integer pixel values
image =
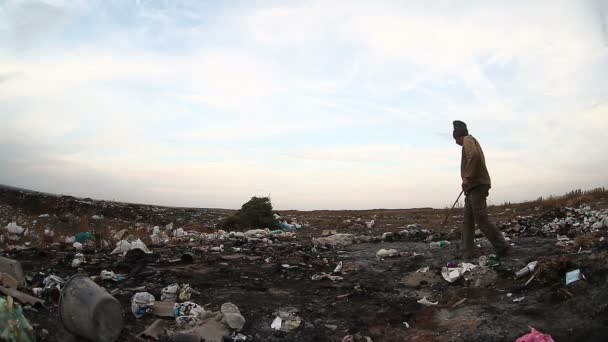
(371, 275)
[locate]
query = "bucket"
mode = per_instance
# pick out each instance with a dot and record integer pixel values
(89, 311)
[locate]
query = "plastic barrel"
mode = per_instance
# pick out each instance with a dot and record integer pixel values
(89, 311)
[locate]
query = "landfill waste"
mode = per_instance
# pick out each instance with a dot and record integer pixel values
(535, 336)
(424, 301)
(439, 244)
(78, 246)
(323, 275)
(526, 270)
(489, 261)
(232, 316)
(15, 327)
(142, 303)
(87, 310)
(8, 280)
(265, 267)
(78, 260)
(451, 274)
(84, 237)
(286, 319)
(14, 228)
(109, 275)
(185, 292)
(189, 314)
(13, 267)
(386, 253)
(573, 276)
(123, 246)
(169, 293)
(154, 331)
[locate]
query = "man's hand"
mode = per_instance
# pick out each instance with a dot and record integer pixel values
(466, 184)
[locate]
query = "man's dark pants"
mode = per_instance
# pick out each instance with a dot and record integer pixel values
(476, 213)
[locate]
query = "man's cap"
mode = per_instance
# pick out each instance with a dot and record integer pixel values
(460, 129)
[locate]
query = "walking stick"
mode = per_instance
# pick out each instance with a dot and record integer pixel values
(450, 211)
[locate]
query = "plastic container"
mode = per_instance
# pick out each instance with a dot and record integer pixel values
(439, 244)
(89, 311)
(526, 270)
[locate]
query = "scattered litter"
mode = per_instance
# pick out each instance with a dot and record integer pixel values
(338, 268)
(13, 267)
(488, 261)
(108, 275)
(17, 327)
(336, 240)
(526, 270)
(190, 314)
(14, 228)
(154, 331)
(8, 280)
(169, 293)
(423, 269)
(78, 260)
(426, 302)
(517, 300)
(386, 253)
(407, 326)
(286, 320)
(439, 244)
(23, 298)
(84, 237)
(323, 275)
(573, 276)
(451, 274)
(535, 336)
(232, 316)
(142, 304)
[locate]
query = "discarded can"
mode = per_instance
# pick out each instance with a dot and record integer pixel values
(439, 244)
(526, 270)
(88, 310)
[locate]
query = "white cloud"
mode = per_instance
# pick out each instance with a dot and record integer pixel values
(530, 79)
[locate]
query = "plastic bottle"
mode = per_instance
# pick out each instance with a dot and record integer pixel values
(439, 244)
(526, 270)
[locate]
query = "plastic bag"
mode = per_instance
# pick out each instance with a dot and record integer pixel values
(535, 336)
(18, 329)
(141, 304)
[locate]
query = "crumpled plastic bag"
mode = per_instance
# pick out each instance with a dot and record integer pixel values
(14, 228)
(123, 246)
(451, 274)
(535, 336)
(169, 293)
(188, 314)
(78, 260)
(17, 329)
(84, 237)
(142, 304)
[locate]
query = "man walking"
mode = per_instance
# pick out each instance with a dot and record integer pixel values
(476, 185)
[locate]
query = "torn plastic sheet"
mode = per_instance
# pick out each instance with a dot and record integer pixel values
(451, 274)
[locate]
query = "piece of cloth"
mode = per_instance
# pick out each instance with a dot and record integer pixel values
(476, 213)
(473, 163)
(460, 129)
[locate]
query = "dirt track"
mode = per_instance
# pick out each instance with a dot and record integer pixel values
(375, 298)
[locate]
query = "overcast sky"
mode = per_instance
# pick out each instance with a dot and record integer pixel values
(319, 104)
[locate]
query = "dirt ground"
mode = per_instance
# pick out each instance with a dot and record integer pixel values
(375, 298)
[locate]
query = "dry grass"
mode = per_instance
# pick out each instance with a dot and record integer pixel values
(573, 198)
